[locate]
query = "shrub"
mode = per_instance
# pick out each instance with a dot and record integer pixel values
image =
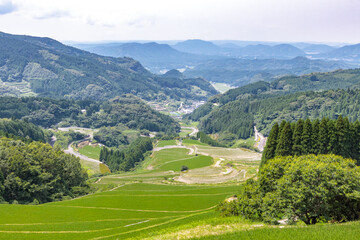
(310, 188)
(184, 168)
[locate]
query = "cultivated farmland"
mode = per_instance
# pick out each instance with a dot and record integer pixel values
(127, 211)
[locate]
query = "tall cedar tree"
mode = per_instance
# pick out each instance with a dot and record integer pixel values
(323, 140)
(355, 140)
(315, 137)
(332, 146)
(306, 138)
(271, 143)
(342, 131)
(284, 147)
(282, 125)
(297, 137)
(338, 137)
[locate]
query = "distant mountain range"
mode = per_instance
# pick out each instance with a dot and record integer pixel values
(239, 72)
(46, 67)
(233, 62)
(156, 57)
(348, 53)
(317, 49)
(197, 46)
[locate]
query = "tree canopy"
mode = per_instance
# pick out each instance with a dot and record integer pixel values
(36, 172)
(338, 137)
(309, 188)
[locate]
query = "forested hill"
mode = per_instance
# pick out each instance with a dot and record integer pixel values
(340, 79)
(125, 110)
(48, 68)
(262, 104)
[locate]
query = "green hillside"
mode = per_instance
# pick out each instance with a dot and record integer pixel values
(126, 110)
(48, 68)
(235, 112)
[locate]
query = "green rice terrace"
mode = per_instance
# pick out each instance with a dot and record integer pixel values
(159, 201)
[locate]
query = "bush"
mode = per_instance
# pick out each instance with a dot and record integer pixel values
(184, 168)
(309, 188)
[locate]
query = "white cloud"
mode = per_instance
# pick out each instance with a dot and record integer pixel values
(7, 7)
(295, 20)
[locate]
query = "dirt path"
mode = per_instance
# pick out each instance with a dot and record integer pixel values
(217, 164)
(174, 146)
(168, 147)
(194, 130)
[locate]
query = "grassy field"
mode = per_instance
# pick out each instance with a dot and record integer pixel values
(173, 159)
(90, 151)
(347, 231)
(94, 168)
(128, 211)
(250, 142)
(166, 143)
(184, 132)
(151, 205)
(189, 142)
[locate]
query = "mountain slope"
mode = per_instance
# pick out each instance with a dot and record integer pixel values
(156, 57)
(239, 72)
(350, 52)
(56, 70)
(317, 48)
(289, 98)
(198, 46)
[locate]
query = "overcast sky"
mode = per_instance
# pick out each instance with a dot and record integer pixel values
(258, 20)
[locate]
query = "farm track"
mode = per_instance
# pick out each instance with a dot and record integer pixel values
(194, 130)
(139, 210)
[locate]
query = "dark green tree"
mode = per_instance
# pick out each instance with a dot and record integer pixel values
(355, 140)
(284, 146)
(343, 137)
(271, 143)
(333, 142)
(297, 137)
(306, 138)
(323, 139)
(315, 137)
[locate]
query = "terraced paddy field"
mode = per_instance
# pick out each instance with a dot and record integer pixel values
(152, 205)
(128, 211)
(166, 143)
(90, 151)
(233, 154)
(173, 159)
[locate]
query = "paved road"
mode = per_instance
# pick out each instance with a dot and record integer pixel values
(260, 140)
(89, 131)
(70, 150)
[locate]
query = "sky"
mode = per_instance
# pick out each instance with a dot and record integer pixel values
(250, 20)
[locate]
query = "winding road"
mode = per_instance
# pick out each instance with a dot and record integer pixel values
(194, 130)
(260, 140)
(70, 150)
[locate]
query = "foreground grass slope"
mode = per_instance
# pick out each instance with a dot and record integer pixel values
(127, 211)
(347, 231)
